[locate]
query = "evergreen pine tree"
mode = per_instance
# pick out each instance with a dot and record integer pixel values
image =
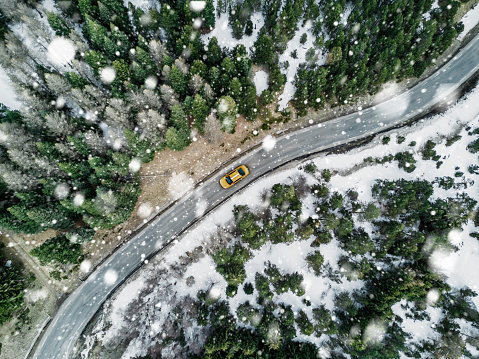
(178, 82)
(199, 111)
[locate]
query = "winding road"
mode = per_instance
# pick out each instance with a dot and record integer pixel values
(76, 311)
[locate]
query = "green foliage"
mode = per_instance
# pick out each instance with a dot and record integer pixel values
(428, 152)
(248, 288)
(401, 195)
(452, 140)
(245, 222)
(315, 261)
(473, 147)
(310, 167)
(323, 322)
(326, 174)
(214, 54)
(52, 216)
(57, 250)
(284, 282)
(76, 80)
(336, 201)
(262, 286)
(304, 324)
(80, 235)
(230, 264)
(264, 50)
(246, 314)
(14, 280)
(177, 140)
(357, 241)
(283, 197)
(200, 111)
(208, 14)
(178, 82)
(320, 190)
(58, 24)
(371, 211)
(406, 161)
(231, 290)
(139, 147)
(303, 39)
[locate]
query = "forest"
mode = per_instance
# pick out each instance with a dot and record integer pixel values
(408, 225)
(140, 81)
(266, 310)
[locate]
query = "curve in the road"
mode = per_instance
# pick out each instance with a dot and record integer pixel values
(82, 304)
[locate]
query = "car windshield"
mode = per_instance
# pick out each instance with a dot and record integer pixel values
(228, 179)
(241, 172)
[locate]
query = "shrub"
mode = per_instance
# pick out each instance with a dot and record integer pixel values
(248, 288)
(315, 261)
(326, 174)
(262, 286)
(322, 237)
(320, 190)
(453, 140)
(473, 147)
(310, 167)
(303, 39)
(57, 250)
(406, 161)
(473, 169)
(266, 97)
(386, 140)
(80, 235)
(231, 290)
(305, 326)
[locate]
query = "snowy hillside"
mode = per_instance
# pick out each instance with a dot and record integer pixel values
(456, 263)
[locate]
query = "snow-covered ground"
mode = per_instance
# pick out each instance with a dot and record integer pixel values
(301, 50)
(224, 33)
(469, 20)
(7, 93)
(461, 267)
(260, 81)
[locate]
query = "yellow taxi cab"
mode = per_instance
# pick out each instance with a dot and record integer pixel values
(234, 176)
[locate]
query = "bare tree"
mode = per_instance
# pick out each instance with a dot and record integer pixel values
(157, 50)
(96, 143)
(15, 179)
(118, 113)
(57, 83)
(14, 136)
(165, 73)
(67, 150)
(196, 83)
(58, 124)
(213, 133)
(153, 124)
(91, 99)
(209, 93)
(168, 96)
(182, 66)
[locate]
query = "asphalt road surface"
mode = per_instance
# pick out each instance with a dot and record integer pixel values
(64, 330)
